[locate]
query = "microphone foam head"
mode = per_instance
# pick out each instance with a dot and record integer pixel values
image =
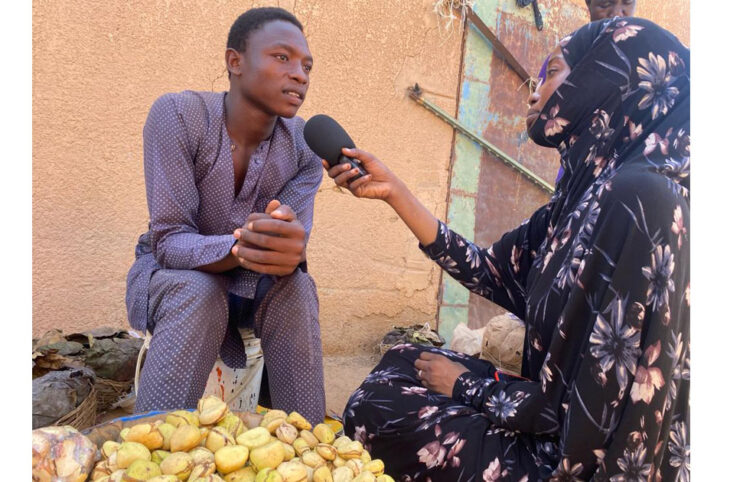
(326, 138)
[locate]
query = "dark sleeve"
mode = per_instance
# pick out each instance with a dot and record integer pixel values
(615, 363)
(172, 196)
(499, 272)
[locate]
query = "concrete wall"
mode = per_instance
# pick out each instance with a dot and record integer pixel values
(99, 65)
(487, 198)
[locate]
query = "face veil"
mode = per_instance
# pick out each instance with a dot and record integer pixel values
(626, 100)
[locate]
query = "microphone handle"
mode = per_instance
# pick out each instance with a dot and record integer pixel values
(355, 163)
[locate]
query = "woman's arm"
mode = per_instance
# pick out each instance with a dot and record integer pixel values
(497, 273)
(381, 183)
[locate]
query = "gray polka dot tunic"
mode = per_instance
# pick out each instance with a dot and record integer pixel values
(193, 211)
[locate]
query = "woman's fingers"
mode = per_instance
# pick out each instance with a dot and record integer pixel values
(343, 178)
(338, 169)
(427, 355)
(422, 369)
(363, 156)
(360, 181)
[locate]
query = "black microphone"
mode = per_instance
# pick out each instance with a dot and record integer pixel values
(327, 138)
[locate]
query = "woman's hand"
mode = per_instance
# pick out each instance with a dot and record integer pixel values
(379, 183)
(438, 373)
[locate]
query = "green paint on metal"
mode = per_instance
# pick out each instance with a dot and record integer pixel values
(471, 105)
(488, 11)
(449, 317)
(477, 56)
(461, 215)
(454, 292)
(465, 174)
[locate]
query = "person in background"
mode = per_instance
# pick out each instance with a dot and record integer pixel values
(601, 9)
(600, 274)
(230, 189)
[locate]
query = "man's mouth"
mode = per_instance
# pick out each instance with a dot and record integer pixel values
(294, 94)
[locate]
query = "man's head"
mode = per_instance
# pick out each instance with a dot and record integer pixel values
(268, 60)
(600, 9)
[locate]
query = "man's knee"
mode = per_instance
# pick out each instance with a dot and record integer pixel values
(298, 287)
(190, 293)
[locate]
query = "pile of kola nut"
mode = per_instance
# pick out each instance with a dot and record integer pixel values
(212, 444)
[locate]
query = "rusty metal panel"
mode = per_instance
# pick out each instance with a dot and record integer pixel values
(487, 198)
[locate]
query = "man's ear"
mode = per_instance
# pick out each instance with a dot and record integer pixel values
(234, 59)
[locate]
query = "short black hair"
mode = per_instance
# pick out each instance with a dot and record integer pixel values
(256, 18)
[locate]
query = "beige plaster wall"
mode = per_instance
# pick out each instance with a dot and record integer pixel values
(99, 65)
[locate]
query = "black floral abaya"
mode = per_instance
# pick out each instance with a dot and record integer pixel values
(601, 277)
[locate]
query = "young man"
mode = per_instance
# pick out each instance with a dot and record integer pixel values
(600, 9)
(230, 189)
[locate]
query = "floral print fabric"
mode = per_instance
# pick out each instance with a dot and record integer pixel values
(600, 275)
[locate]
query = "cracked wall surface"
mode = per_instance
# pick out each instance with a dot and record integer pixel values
(97, 68)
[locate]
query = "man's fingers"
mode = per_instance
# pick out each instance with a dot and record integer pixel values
(259, 256)
(266, 268)
(273, 204)
(284, 213)
(420, 364)
(275, 243)
(275, 226)
(255, 216)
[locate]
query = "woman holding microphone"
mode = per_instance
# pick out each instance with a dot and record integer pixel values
(600, 274)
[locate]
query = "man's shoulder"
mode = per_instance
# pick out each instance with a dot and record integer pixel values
(292, 129)
(293, 125)
(192, 100)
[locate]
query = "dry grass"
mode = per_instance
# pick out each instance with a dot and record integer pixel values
(447, 11)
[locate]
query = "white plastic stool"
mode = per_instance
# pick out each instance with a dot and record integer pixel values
(238, 387)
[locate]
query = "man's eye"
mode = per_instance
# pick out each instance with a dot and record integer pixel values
(308, 68)
(282, 57)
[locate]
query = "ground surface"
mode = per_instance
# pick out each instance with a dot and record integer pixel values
(342, 374)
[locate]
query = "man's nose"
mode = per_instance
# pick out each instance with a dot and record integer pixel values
(299, 74)
(617, 11)
(533, 99)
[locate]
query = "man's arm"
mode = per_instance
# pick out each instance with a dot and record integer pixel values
(172, 196)
(299, 192)
(278, 245)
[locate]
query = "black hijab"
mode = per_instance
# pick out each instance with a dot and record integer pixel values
(601, 273)
(625, 101)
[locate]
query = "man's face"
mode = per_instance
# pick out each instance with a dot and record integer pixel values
(274, 69)
(600, 9)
